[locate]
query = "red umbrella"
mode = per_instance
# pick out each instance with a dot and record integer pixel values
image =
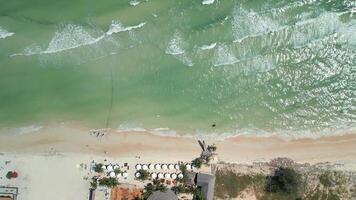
(14, 174)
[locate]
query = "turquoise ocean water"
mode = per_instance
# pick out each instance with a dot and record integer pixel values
(251, 66)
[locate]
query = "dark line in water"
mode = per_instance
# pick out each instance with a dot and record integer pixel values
(111, 97)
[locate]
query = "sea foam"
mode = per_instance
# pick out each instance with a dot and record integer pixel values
(4, 33)
(73, 36)
(224, 56)
(176, 45)
(207, 2)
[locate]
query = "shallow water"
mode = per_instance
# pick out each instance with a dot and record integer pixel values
(256, 67)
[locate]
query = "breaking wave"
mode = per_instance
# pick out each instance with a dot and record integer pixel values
(4, 33)
(72, 36)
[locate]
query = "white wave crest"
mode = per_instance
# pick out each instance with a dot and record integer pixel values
(209, 46)
(134, 2)
(4, 33)
(26, 129)
(73, 36)
(117, 27)
(207, 2)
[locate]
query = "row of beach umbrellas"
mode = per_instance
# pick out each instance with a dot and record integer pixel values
(119, 175)
(161, 175)
(110, 167)
(161, 166)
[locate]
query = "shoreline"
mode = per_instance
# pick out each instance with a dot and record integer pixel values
(64, 138)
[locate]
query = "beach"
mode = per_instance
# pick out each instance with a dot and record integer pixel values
(58, 157)
(246, 149)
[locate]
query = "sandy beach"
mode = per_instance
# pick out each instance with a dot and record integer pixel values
(242, 149)
(62, 154)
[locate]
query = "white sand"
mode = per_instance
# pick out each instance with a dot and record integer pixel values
(47, 159)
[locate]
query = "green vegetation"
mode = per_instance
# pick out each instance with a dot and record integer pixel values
(286, 184)
(9, 175)
(229, 184)
(197, 194)
(156, 186)
(144, 175)
(94, 183)
(118, 171)
(108, 182)
(99, 168)
(284, 181)
(198, 162)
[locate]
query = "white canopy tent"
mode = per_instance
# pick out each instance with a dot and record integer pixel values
(138, 167)
(154, 175)
(176, 166)
(189, 166)
(110, 168)
(180, 176)
(167, 175)
(164, 166)
(158, 166)
(125, 174)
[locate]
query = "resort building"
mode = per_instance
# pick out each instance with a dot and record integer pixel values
(206, 182)
(167, 195)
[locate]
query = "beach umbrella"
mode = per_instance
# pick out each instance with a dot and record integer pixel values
(164, 167)
(151, 166)
(173, 176)
(176, 166)
(189, 166)
(119, 175)
(116, 166)
(158, 166)
(144, 167)
(125, 174)
(110, 168)
(112, 174)
(180, 176)
(138, 167)
(138, 174)
(154, 175)
(160, 175)
(167, 175)
(103, 167)
(171, 166)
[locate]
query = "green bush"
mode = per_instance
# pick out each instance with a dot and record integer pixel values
(144, 174)
(99, 168)
(198, 162)
(108, 182)
(284, 181)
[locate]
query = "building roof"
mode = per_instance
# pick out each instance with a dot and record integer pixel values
(206, 182)
(5, 198)
(167, 195)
